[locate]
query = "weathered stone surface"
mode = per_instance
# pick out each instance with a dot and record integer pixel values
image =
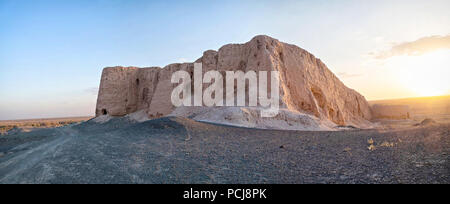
(306, 84)
(161, 104)
(116, 93)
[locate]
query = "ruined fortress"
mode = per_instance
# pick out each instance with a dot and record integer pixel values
(306, 84)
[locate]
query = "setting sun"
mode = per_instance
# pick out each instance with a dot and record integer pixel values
(424, 75)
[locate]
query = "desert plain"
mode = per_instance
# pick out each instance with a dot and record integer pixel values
(182, 150)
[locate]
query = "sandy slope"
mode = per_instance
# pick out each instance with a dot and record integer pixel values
(250, 117)
(176, 150)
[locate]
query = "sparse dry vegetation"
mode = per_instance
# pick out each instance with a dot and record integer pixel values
(27, 125)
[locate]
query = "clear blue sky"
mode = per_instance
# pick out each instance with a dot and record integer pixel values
(52, 51)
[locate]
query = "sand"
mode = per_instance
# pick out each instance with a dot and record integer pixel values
(249, 117)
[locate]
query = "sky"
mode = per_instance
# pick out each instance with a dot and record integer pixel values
(52, 52)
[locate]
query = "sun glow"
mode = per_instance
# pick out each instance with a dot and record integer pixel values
(424, 75)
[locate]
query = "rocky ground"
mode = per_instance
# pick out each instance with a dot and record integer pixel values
(178, 150)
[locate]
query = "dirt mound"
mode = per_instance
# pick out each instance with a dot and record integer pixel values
(426, 122)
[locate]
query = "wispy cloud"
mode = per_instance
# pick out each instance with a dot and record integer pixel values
(347, 75)
(417, 47)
